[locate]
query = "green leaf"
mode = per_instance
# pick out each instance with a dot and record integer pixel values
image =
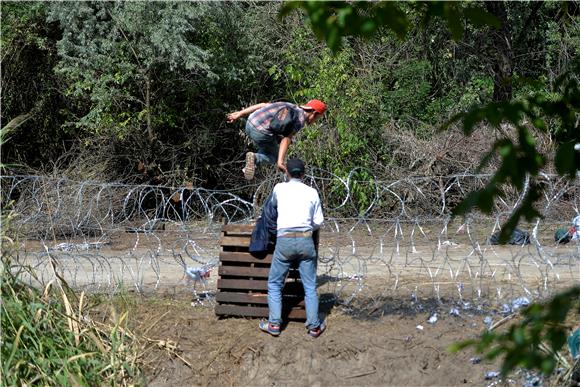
(454, 20)
(540, 124)
(519, 336)
(333, 38)
(467, 204)
(548, 366)
(556, 337)
(567, 160)
(480, 17)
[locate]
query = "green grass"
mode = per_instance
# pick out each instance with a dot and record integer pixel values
(49, 337)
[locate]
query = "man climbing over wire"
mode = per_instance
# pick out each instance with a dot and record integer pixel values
(299, 214)
(269, 122)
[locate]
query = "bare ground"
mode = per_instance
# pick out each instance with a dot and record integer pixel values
(385, 348)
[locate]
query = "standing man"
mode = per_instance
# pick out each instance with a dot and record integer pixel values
(259, 129)
(299, 214)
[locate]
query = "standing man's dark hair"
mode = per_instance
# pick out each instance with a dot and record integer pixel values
(261, 129)
(299, 215)
(295, 168)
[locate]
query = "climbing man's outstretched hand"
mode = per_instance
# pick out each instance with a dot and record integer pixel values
(281, 167)
(232, 117)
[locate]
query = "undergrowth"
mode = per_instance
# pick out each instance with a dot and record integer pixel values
(49, 337)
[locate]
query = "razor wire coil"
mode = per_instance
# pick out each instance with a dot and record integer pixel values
(380, 238)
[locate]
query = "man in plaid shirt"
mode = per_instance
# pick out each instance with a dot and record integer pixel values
(259, 131)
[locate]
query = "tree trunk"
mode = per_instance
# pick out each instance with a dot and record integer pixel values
(502, 53)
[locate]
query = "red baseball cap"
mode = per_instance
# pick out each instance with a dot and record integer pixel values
(316, 105)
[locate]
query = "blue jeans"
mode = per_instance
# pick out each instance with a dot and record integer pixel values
(267, 145)
(288, 250)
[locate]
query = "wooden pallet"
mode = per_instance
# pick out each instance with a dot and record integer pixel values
(242, 288)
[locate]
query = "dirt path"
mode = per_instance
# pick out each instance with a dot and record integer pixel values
(387, 350)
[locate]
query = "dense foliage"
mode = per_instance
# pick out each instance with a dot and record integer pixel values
(152, 82)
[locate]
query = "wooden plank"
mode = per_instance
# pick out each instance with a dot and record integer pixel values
(256, 298)
(236, 241)
(233, 297)
(244, 271)
(291, 286)
(258, 272)
(241, 256)
(242, 284)
(238, 228)
(253, 311)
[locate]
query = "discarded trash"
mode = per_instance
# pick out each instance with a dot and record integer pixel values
(454, 312)
(518, 237)
(199, 298)
(78, 246)
(198, 274)
(467, 305)
(574, 344)
(414, 297)
(505, 309)
(449, 243)
(532, 381)
(433, 319)
(487, 320)
(516, 304)
(475, 360)
(420, 327)
(520, 302)
(491, 375)
(564, 235)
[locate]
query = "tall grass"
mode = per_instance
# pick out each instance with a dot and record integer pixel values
(48, 336)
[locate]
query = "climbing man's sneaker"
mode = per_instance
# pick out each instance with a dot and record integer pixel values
(250, 166)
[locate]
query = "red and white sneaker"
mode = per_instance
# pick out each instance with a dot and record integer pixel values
(273, 329)
(315, 332)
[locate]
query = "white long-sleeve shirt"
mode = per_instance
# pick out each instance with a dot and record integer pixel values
(298, 207)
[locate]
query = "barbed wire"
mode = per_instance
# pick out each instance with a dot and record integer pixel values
(380, 238)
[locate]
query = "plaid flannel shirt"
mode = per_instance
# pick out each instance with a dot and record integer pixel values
(260, 119)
